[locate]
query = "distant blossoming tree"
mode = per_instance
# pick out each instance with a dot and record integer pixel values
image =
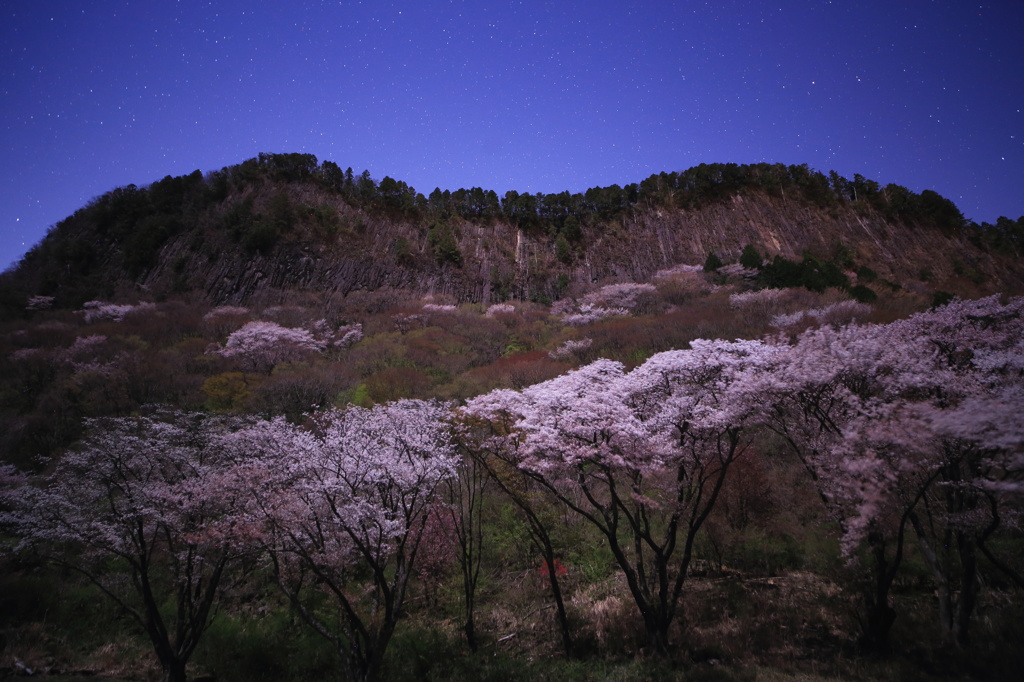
(224, 319)
(589, 313)
(439, 308)
(626, 295)
(347, 335)
(261, 345)
(100, 310)
(500, 309)
(39, 303)
(842, 312)
(570, 348)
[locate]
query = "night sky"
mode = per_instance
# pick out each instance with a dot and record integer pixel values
(525, 95)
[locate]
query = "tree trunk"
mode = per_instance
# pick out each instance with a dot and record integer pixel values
(968, 588)
(556, 592)
(657, 634)
(880, 615)
(470, 629)
(174, 670)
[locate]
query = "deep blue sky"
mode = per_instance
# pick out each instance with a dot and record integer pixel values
(529, 95)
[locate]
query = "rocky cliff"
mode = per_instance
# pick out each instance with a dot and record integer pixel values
(500, 261)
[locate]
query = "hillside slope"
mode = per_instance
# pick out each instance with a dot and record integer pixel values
(280, 223)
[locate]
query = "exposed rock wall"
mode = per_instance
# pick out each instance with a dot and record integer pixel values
(500, 261)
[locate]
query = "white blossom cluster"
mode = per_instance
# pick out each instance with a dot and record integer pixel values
(260, 345)
(439, 308)
(622, 295)
(588, 314)
(842, 312)
(39, 303)
(681, 269)
(570, 348)
(758, 297)
(500, 309)
(100, 310)
(737, 270)
(225, 311)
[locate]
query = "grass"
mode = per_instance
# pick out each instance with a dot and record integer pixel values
(734, 627)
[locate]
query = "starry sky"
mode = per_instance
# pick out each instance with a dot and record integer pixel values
(530, 95)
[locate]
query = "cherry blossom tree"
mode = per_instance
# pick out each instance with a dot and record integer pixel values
(494, 447)
(461, 514)
(966, 444)
(589, 313)
(841, 312)
(641, 456)
(39, 303)
(260, 345)
(834, 395)
(341, 508)
(570, 348)
(626, 295)
(141, 491)
(94, 311)
(500, 309)
(897, 427)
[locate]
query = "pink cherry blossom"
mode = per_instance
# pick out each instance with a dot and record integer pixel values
(640, 455)
(351, 493)
(138, 490)
(260, 345)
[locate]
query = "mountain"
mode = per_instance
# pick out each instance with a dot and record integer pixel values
(282, 223)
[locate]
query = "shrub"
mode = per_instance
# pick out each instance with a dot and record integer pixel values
(863, 294)
(226, 392)
(809, 273)
(941, 298)
(445, 247)
(866, 274)
(750, 258)
(712, 263)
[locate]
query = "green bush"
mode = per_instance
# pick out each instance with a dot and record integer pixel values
(750, 258)
(765, 553)
(445, 247)
(941, 298)
(866, 274)
(810, 273)
(419, 653)
(863, 294)
(712, 262)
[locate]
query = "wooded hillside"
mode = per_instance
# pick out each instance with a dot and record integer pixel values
(284, 222)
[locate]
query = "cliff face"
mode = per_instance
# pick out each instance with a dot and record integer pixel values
(500, 261)
(898, 252)
(355, 249)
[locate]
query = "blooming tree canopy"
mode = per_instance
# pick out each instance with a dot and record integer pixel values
(908, 426)
(142, 490)
(260, 345)
(641, 455)
(348, 496)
